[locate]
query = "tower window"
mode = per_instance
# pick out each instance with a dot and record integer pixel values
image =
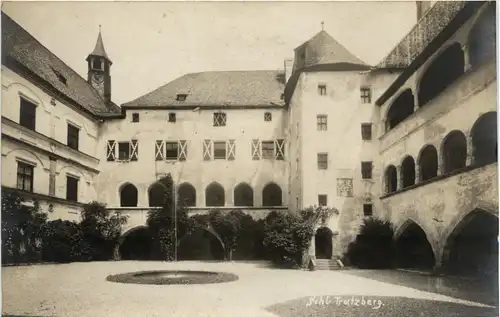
(268, 116)
(366, 95)
(366, 131)
(366, 170)
(322, 122)
(135, 117)
(172, 117)
(322, 200)
(181, 97)
(367, 210)
(97, 64)
(322, 89)
(322, 161)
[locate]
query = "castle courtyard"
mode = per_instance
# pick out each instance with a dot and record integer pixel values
(82, 290)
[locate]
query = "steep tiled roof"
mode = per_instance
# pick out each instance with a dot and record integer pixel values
(20, 46)
(323, 49)
(426, 30)
(99, 48)
(218, 88)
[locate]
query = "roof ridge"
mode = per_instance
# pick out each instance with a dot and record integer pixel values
(52, 53)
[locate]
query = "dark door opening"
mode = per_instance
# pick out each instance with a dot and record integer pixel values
(323, 243)
(413, 250)
(136, 245)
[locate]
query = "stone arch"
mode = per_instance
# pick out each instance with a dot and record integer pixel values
(243, 195)
(134, 244)
(31, 94)
(428, 162)
(202, 244)
(454, 151)
(187, 194)
(391, 179)
(128, 195)
(408, 175)
(323, 243)
(75, 170)
(156, 194)
(412, 247)
(36, 157)
(214, 195)
(471, 246)
(484, 139)
(482, 37)
(400, 109)
(442, 72)
(70, 118)
(272, 195)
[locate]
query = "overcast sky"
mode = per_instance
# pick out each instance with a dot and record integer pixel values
(152, 43)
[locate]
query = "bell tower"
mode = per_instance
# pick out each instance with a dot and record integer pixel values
(99, 65)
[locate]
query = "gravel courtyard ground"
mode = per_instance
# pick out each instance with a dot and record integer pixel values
(81, 289)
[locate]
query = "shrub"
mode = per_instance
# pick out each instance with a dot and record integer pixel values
(64, 242)
(22, 229)
(372, 248)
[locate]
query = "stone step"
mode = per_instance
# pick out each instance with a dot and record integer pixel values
(327, 264)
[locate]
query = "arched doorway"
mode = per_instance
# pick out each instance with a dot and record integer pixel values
(271, 195)
(214, 195)
(428, 163)
(323, 243)
(391, 179)
(484, 139)
(243, 195)
(128, 196)
(200, 245)
(136, 244)
(408, 172)
(156, 195)
(454, 151)
(472, 247)
(412, 249)
(187, 195)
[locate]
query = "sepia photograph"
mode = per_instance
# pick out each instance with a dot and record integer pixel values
(249, 159)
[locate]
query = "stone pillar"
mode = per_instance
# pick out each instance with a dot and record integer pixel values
(440, 169)
(467, 65)
(415, 98)
(399, 173)
(417, 173)
(52, 176)
(470, 150)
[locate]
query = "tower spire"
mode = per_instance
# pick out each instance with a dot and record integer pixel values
(322, 25)
(99, 47)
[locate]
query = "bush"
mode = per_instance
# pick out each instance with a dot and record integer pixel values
(372, 248)
(64, 242)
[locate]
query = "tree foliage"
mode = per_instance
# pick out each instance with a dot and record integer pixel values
(372, 248)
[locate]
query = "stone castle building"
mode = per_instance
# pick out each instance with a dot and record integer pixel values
(411, 140)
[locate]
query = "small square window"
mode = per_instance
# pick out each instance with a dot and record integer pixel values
(322, 122)
(135, 117)
(220, 150)
(172, 117)
(97, 64)
(322, 161)
(367, 210)
(181, 97)
(268, 116)
(322, 200)
(366, 95)
(322, 89)
(366, 170)
(366, 131)
(219, 119)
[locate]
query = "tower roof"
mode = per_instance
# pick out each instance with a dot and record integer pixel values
(99, 47)
(324, 49)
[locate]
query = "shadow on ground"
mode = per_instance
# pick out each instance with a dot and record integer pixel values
(475, 290)
(375, 306)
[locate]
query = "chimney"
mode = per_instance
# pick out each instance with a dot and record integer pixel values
(288, 69)
(422, 8)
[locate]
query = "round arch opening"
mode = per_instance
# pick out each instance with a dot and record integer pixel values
(136, 245)
(413, 250)
(200, 245)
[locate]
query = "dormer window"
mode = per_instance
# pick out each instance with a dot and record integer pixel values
(97, 64)
(181, 97)
(60, 76)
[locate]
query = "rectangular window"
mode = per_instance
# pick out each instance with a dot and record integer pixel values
(367, 210)
(135, 117)
(73, 136)
(172, 149)
(123, 151)
(366, 131)
(322, 200)
(219, 119)
(71, 188)
(268, 116)
(366, 170)
(267, 149)
(366, 95)
(322, 89)
(322, 122)
(172, 117)
(25, 176)
(322, 161)
(27, 116)
(220, 150)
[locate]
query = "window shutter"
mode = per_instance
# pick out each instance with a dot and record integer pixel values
(231, 150)
(280, 149)
(256, 149)
(182, 150)
(134, 150)
(111, 150)
(207, 150)
(160, 150)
